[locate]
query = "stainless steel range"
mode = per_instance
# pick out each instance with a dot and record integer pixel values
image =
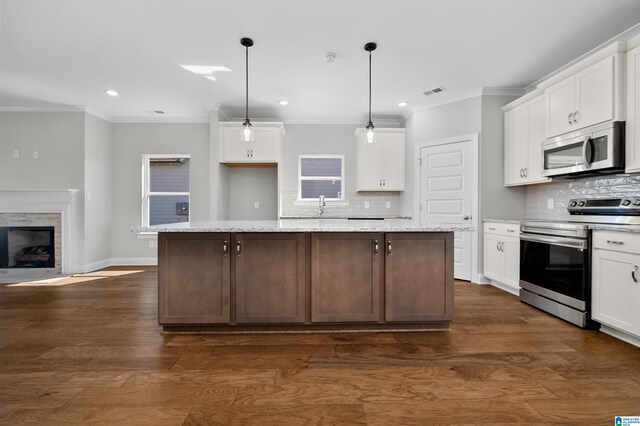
(555, 257)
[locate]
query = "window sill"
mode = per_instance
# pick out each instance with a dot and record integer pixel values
(147, 235)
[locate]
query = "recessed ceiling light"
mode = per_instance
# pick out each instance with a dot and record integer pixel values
(111, 92)
(403, 104)
(283, 102)
(205, 70)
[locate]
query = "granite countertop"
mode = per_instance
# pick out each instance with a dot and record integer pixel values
(302, 225)
(512, 221)
(610, 227)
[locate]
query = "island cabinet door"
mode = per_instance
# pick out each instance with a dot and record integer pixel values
(418, 276)
(193, 278)
(270, 273)
(346, 274)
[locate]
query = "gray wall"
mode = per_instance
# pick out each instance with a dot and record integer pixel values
(98, 191)
(59, 139)
(248, 185)
(130, 142)
(220, 197)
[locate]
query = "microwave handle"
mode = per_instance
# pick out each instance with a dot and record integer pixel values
(586, 158)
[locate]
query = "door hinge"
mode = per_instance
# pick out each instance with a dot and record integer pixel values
(420, 208)
(420, 161)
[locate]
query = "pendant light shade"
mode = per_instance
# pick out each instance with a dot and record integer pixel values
(247, 131)
(370, 128)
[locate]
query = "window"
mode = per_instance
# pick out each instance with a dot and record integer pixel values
(165, 189)
(321, 175)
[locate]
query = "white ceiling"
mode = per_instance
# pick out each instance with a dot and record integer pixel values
(64, 53)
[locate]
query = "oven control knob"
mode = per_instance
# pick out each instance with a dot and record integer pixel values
(572, 204)
(581, 203)
(636, 202)
(626, 202)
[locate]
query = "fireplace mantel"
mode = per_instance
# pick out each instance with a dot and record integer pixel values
(63, 201)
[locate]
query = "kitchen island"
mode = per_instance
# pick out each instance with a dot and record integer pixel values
(304, 275)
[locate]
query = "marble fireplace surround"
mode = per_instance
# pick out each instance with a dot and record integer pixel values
(28, 207)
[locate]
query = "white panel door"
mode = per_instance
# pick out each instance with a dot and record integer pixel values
(263, 147)
(233, 149)
(369, 167)
(594, 94)
(393, 158)
(493, 257)
(446, 194)
(511, 252)
(560, 105)
(536, 137)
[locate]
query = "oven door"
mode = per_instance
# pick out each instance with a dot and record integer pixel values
(556, 268)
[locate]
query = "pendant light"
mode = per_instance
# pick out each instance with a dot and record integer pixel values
(247, 131)
(370, 128)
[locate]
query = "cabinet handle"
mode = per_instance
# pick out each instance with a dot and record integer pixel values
(251, 150)
(389, 247)
(521, 173)
(380, 183)
(510, 230)
(375, 246)
(384, 182)
(633, 274)
(492, 229)
(498, 246)
(575, 117)
(570, 119)
(526, 171)
(618, 243)
(247, 153)
(225, 247)
(238, 248)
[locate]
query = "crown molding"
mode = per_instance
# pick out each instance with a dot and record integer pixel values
(41, 109)
(159, 120)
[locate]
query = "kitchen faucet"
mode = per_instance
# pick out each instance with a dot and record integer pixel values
(321, 205)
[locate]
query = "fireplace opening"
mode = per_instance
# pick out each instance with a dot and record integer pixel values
(27, 247)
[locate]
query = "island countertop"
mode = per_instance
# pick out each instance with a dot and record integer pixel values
(304, 225)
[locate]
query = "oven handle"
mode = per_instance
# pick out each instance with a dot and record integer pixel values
(556, 241)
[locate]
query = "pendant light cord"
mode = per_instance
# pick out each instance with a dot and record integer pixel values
(369, 86)
(247, 83)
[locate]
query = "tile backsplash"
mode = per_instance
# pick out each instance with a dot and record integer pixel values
(549, 201)
(353, 205)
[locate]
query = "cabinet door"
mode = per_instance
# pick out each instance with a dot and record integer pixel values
(559, 106)
(269, 277)
(346, 270)
(233, 149)
(418, 276)
(369, 165)
(511, 259)
(615, 296)
(264, 147)
(493, 258)
(515, 144)
(594, 94)
(393, 158)
(533, 167)
(190, 290)
(633, 111)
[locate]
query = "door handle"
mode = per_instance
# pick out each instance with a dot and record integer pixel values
(389, 247)
(238, 248)
(375, 246)
(633, 274)
(225, 248)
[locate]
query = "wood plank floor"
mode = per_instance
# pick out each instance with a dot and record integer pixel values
(89, 351)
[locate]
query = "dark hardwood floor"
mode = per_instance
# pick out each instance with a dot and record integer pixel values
(91, 352)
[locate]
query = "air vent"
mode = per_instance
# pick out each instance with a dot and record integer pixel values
(434, 91)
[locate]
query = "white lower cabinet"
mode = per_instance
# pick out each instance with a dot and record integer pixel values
(502, 254)
(615, 280)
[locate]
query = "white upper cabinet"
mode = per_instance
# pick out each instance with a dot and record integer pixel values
(581, 100)
(380, 166)
(633, 111)
(523, 137)
(265, 148)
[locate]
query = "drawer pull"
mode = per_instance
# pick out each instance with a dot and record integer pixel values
(389, 247)
(225, 248)
(375, 246)
(238, 248)
(618, 243)
(633, 274)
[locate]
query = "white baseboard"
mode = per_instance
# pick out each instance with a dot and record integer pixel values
(481, 279)
(94, 266)
(631, 339)
(134, 261)
(508, 289)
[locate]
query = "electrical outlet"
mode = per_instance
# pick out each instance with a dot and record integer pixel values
(388, 204)
(366, 204)
(549, 203)
(152, 244)
(256, 205)
(88, 196)
(36, 155)
(16, 153)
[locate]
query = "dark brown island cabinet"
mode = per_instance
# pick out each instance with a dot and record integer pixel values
(301, 281)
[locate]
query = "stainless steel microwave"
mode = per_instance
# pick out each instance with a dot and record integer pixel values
(594, 150)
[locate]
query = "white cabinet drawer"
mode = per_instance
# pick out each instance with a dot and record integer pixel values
(507, 229)
(628, 242)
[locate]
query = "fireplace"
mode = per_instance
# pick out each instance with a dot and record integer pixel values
(27, 247)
